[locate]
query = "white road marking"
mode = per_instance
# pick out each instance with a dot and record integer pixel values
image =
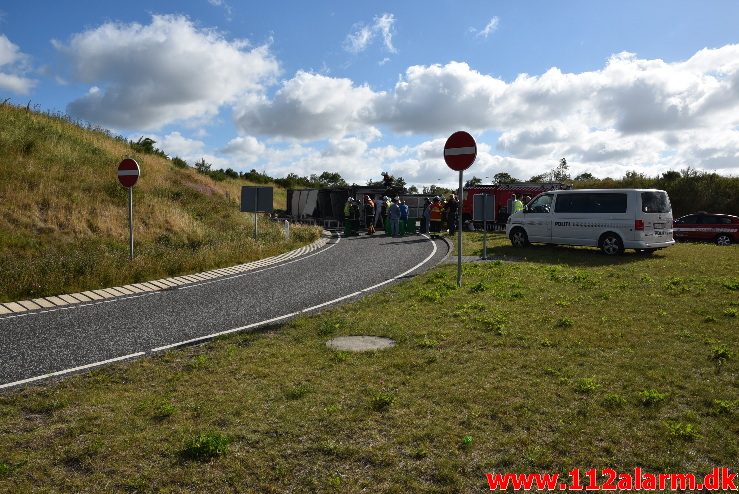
(286, 316)
(220, 333)
(74, 369)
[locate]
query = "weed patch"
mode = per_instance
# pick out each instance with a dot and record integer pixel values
(381, 401)
(297, 392)
(205, 446)
(564, 323)
(720, 353)
(586, 385)
(724, 407)
(613, 401)
(651, 398)
(731, 284)
(682, 430)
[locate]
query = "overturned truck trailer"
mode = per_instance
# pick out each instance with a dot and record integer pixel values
(316, 205)
(326, 206)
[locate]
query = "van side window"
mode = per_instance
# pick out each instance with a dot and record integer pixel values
(655, 202)
(541, 204)
(595, 202)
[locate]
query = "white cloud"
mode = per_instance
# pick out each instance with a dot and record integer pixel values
(384, 24)
(167, 71)
(9, 52)
(364, 35)
(358, 41)
(308, 106)
(221, 3)
(175, 144)
(245, 150)
(489, 28)
(438, 99)
(631, 114)
(13, 66)
(345, 148)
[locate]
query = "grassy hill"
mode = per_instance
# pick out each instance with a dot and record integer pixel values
(64, 219)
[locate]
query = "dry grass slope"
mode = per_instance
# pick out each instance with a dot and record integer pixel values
(64, 221)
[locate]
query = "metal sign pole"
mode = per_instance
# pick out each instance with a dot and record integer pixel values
(485, 226)
(256, 201)
(459, 233)
(130, 219)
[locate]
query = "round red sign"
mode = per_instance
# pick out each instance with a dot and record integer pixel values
(460, 151)
(128, 172)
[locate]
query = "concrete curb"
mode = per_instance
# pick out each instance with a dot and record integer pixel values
(8, 308)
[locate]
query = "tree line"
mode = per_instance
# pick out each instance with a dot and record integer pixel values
(690, 190)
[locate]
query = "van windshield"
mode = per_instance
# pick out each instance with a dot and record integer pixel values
(655, 202)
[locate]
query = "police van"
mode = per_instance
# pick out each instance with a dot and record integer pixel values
(610, 219)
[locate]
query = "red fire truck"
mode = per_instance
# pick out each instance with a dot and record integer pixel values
(502, 195)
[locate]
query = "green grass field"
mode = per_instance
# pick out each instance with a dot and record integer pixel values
(564, 359)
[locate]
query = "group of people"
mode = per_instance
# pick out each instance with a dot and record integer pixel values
(438, 213)
(391, 215)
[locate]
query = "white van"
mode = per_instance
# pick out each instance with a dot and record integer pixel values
(611, 219)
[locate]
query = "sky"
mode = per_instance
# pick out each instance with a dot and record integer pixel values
(359, 88)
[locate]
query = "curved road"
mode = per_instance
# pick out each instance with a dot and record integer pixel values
(43, 344)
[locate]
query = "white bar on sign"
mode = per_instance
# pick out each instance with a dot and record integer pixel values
(457, 151)
(128, 173)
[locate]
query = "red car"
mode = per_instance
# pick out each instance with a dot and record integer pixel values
(720, 228)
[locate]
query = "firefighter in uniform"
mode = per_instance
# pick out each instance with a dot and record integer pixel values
(436, 209)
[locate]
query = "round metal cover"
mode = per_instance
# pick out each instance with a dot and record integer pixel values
(360, 343)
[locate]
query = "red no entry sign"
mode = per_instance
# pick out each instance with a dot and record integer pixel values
(128, 172)
(460, 151)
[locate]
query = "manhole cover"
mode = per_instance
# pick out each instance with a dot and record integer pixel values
(360, 343)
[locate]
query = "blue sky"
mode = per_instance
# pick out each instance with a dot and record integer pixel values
(362, 87)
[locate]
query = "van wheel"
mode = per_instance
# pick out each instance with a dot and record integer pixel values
(519, 238)
(723, 240)
(611, 244)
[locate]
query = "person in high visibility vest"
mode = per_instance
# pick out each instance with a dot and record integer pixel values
(436, 209)
(516, 204)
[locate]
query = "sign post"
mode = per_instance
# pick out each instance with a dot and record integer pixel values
(256, 200)
(460, 152)
(128, 174)
(482, 210)
(485, 227)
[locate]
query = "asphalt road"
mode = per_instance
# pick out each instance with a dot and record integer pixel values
(43, 344)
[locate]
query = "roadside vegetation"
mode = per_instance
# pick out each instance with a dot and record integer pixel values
(563, 359)
(64, 221)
